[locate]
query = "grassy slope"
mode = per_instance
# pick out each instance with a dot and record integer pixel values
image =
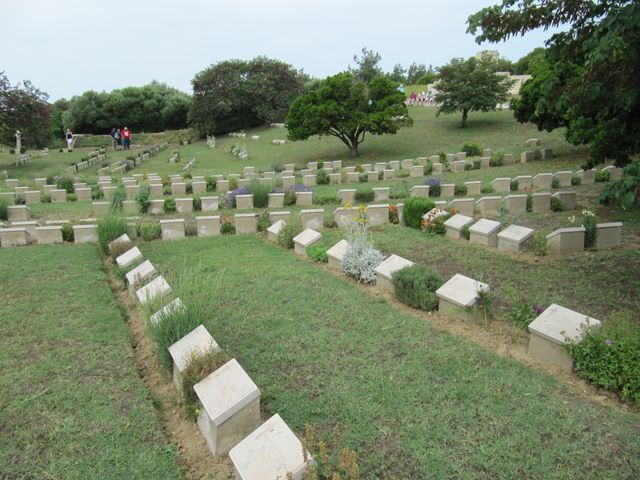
(71, 402)
(414, 403)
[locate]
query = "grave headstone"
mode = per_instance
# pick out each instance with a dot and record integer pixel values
(305, 239)
(465, 206)
(501, 185)
(197, 342)
(455, 224)
(85, 233)
(474, 187)
(485, 232)
(566, 241)
(488, 206)
(516, 204)
(140, 275)
(49, 234)
(384, 272)
(380, 193)
(336, 253)
(458, 297)
(515, 238)
(304, 198)
(158, 287)
(208, 226)
(541, 202)
(313, 219)
(608, 235)
(172, 229)
(246, 222)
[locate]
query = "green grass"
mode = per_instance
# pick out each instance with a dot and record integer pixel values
(414, 402)
(72, 404)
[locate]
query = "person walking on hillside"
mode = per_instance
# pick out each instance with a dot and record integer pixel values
(69, 138)
(118, 139)
(114, 139)
(126, 137)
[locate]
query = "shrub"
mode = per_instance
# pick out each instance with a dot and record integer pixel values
(529, 202)
(169, 205)
(402, 173)
(469, 165)
(556, 206)
(260, 192)
(416, 286)
(200, 366)
(434, 187)
(211, 183)
(166, 190)
(434, 221)
(45, 197)
(188, 187)
(394, 216)
(363, 178)
(65, 183)
(322, 177)
(289, 197)
(67, 232)
(472, 149)
(364, 196)
(589, 223)
(540, 246)
(465, 232)
(325, 199)
(602, 176)
(625, 191)
(514, 185)
(318, 253)
(227, 227)
(19, 199)
(486, 189)
(149, 231)
(537, 154)
(331, 461)
(521, 315)
(609, 357)
(361, 257)
(414, 209)
(555, 183)
(119, 196)
(460, 189)
(190, 228)
(290, 230)
(4, 213)
(263, 221)
(495, 162)
(233, 183)
(277, 167)
(230, 197)
(497, 158)
(576, 180)
(143, 198)
(96, 192)
(109, 228)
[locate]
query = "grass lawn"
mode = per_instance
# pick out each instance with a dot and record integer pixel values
(72, 404)
(412, 401)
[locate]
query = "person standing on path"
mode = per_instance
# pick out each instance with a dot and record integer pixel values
(114, 139)
(69, 138)
(126, 137)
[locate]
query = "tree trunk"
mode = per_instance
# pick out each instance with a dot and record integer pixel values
(353, 149)
(465, 114)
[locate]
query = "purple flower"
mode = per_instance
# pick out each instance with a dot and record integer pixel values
(608, 342)
(538, 309)
(432, 182)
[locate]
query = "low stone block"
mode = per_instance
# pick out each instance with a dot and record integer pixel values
(208, 226)
(615, 173)
(451, 157)
(608, 235)
(14, 237)
(551, 330)
(488, 206)
(246, 222)
(129, 257)
(486, 152)
(378, 214)
(527, 156)
(474, 187)
(156, 207)
(178, 188)
(563, 178)
(394, 165)
(312, 218)
(352, 177)
(380, 193)
(132, 191)
(304, 240)
(100, 208)
(58, 195)
(384, 272)
(542, 181)
(276, 200)
(336, 253)
(567, 199)
(419, 191)
(85, 233)
(458, 166)
(83, 194)
(172, 229)
(49, 235)
(588, 177)
(184, 205)
(11, 182)
(437, 169)
(516, 204)
(140, 275)
(33, 196)
(312, 165)
(388, 174)
(406, 164)
(350, 169)
(244, 202)
(458, 297)
(372, 176)
(28, 225)
(309, 180)
(274, 230)
(39, 182)
(272, 451)
(347, 196)
(485, 232)
(447, 190)
(173, 306)
(515, 238)
(541, 202)
(209, 204)
(461, 155)
(275, 216)
(566, 240)
(455, 224)
(156, 288)
(156, 190)
(507, 159)
(288, 182)
(380, 166)
(416, 171)
(342, 214)
(195, 343)
(130, 207)
(524, 181)
(304, 199)
(249, 171)
(501, 185)
(464, 206)
(198, 188)
(532, 142)
(222, 186)
(124, 238)
(335, 178)
(107, 192)
(485, 162)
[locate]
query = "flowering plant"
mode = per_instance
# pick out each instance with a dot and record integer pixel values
(433, 221)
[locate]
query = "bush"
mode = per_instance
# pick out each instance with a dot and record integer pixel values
(169, 205)
(67, 232)
(200, 366)
(602, 176)
(227, 227)
(466, 232)
(609, 357)
(263, 221)
(529, 202)
(414, 209)
(260, 193)
(119, 196)
(521, 315)
(361, 257)
(318, 253)
(460, 189)
(625, 191)
(96, 192)
(363, 178)
(322, 177)
(143, 198)
(19, 199)
(556, 206)
(402, 174)
(555, 183)
(486, 189)
(233, 183)
(109, 228)
(576, 180)
(514, 185)
(416, 286)
(4, 213)
(188, 187)
(589, 223)
(470, 165)
(149, 231)
(472, 149)
(211, 183)
(434, 187)
(494, 162)
(364, 196)
(540, 246)
(289, 197)
(393, 214)
(325, 199)
(290, 230)
(434, 221)
(65, 183)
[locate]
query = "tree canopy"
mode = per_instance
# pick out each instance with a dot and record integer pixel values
(23, 107)
(367, 65)
(348, 109)
(470, 85)
(588, 80)
(238, 94)
(152, 108)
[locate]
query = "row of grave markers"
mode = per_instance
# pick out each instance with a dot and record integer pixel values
(229, 418)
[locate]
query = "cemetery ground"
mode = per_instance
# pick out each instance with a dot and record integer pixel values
(412, 400)
(72, 404)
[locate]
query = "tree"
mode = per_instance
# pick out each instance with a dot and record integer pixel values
(415, 72)
(397, 74)
(588, 82)
(367, 65)
(23, 107)
(348, 109)
(526, 64)
(470, 85)
(238, 94)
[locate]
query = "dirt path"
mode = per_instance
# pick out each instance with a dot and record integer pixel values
(195, 457)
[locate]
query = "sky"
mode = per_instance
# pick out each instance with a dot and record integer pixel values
(66, 47)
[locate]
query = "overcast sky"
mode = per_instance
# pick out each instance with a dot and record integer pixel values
(66, 47)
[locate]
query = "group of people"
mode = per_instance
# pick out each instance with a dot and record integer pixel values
(423, 99)
(121, 138)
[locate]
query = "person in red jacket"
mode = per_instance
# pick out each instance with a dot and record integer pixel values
(126, 138)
